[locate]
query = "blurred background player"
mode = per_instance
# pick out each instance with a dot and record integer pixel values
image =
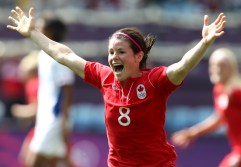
(25, 113)
(224, 74)
(28, 71)
(49, 145)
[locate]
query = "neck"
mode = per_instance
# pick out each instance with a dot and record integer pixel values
(137, 75)
(233, 82)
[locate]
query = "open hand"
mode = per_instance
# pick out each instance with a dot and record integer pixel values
(182, 138)
(214, 30)
(22, 23)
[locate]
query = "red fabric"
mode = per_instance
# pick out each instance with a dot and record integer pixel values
(135, 116)
(229, 158)
(12, 89)
(31, 90)
(30, 135)
(231, 114)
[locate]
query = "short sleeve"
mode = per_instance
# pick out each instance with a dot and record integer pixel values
(160, 80)
(235, 97)
(95, 73)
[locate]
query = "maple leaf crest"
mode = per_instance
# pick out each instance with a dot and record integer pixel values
(140, 89)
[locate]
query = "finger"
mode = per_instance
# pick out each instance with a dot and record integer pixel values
(31, 12)
(221, 26)
(20, 11)
(220, 34)
(11, 27)
(13, 20)
(176, 138)
(181, 144)
(15, 13)
(206, 20)
(223, 20)
(219, 18)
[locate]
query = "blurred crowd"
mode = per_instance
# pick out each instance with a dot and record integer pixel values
(189, 5)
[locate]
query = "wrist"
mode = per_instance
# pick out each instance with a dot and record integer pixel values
(206, 41)
(193, 133)
(33, 33)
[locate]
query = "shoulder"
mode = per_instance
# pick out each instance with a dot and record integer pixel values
(156, 71)
(234, 86)
(158, 78)
(96, 65)
(97, 69)
(96, 72)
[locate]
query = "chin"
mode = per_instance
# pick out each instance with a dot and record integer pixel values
(118, 77)
(214, 82)
(214, 79)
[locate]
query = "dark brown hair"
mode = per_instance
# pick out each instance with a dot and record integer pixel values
(145, 43)
(53, 27)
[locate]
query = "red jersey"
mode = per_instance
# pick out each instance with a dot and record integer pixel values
(135, 116)
(31, 90)
(229, 106)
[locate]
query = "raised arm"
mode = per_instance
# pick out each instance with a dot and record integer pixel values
(178, 71)
(184, 137)
(25, 25)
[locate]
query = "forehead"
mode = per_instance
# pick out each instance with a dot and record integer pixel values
(219, 57)
(114, 41)
(221, 62)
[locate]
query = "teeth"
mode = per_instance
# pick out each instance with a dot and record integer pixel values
(116, 65)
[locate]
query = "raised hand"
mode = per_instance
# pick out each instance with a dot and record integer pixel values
(182, 138)
(22, 23)
(214, 30)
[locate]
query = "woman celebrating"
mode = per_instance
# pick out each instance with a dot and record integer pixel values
(134, 97)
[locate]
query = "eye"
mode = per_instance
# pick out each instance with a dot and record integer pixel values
(122, 52)
(111, 52)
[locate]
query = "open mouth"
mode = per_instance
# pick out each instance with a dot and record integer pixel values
(118, 68)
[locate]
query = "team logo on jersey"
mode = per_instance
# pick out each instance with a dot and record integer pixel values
(141, 91)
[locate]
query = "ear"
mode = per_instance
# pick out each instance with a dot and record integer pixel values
(139, 56)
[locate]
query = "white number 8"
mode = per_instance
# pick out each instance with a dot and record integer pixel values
(124, 115)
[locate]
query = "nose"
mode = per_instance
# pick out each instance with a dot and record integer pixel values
(115, 56)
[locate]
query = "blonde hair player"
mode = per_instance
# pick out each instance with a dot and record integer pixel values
(224, 74)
